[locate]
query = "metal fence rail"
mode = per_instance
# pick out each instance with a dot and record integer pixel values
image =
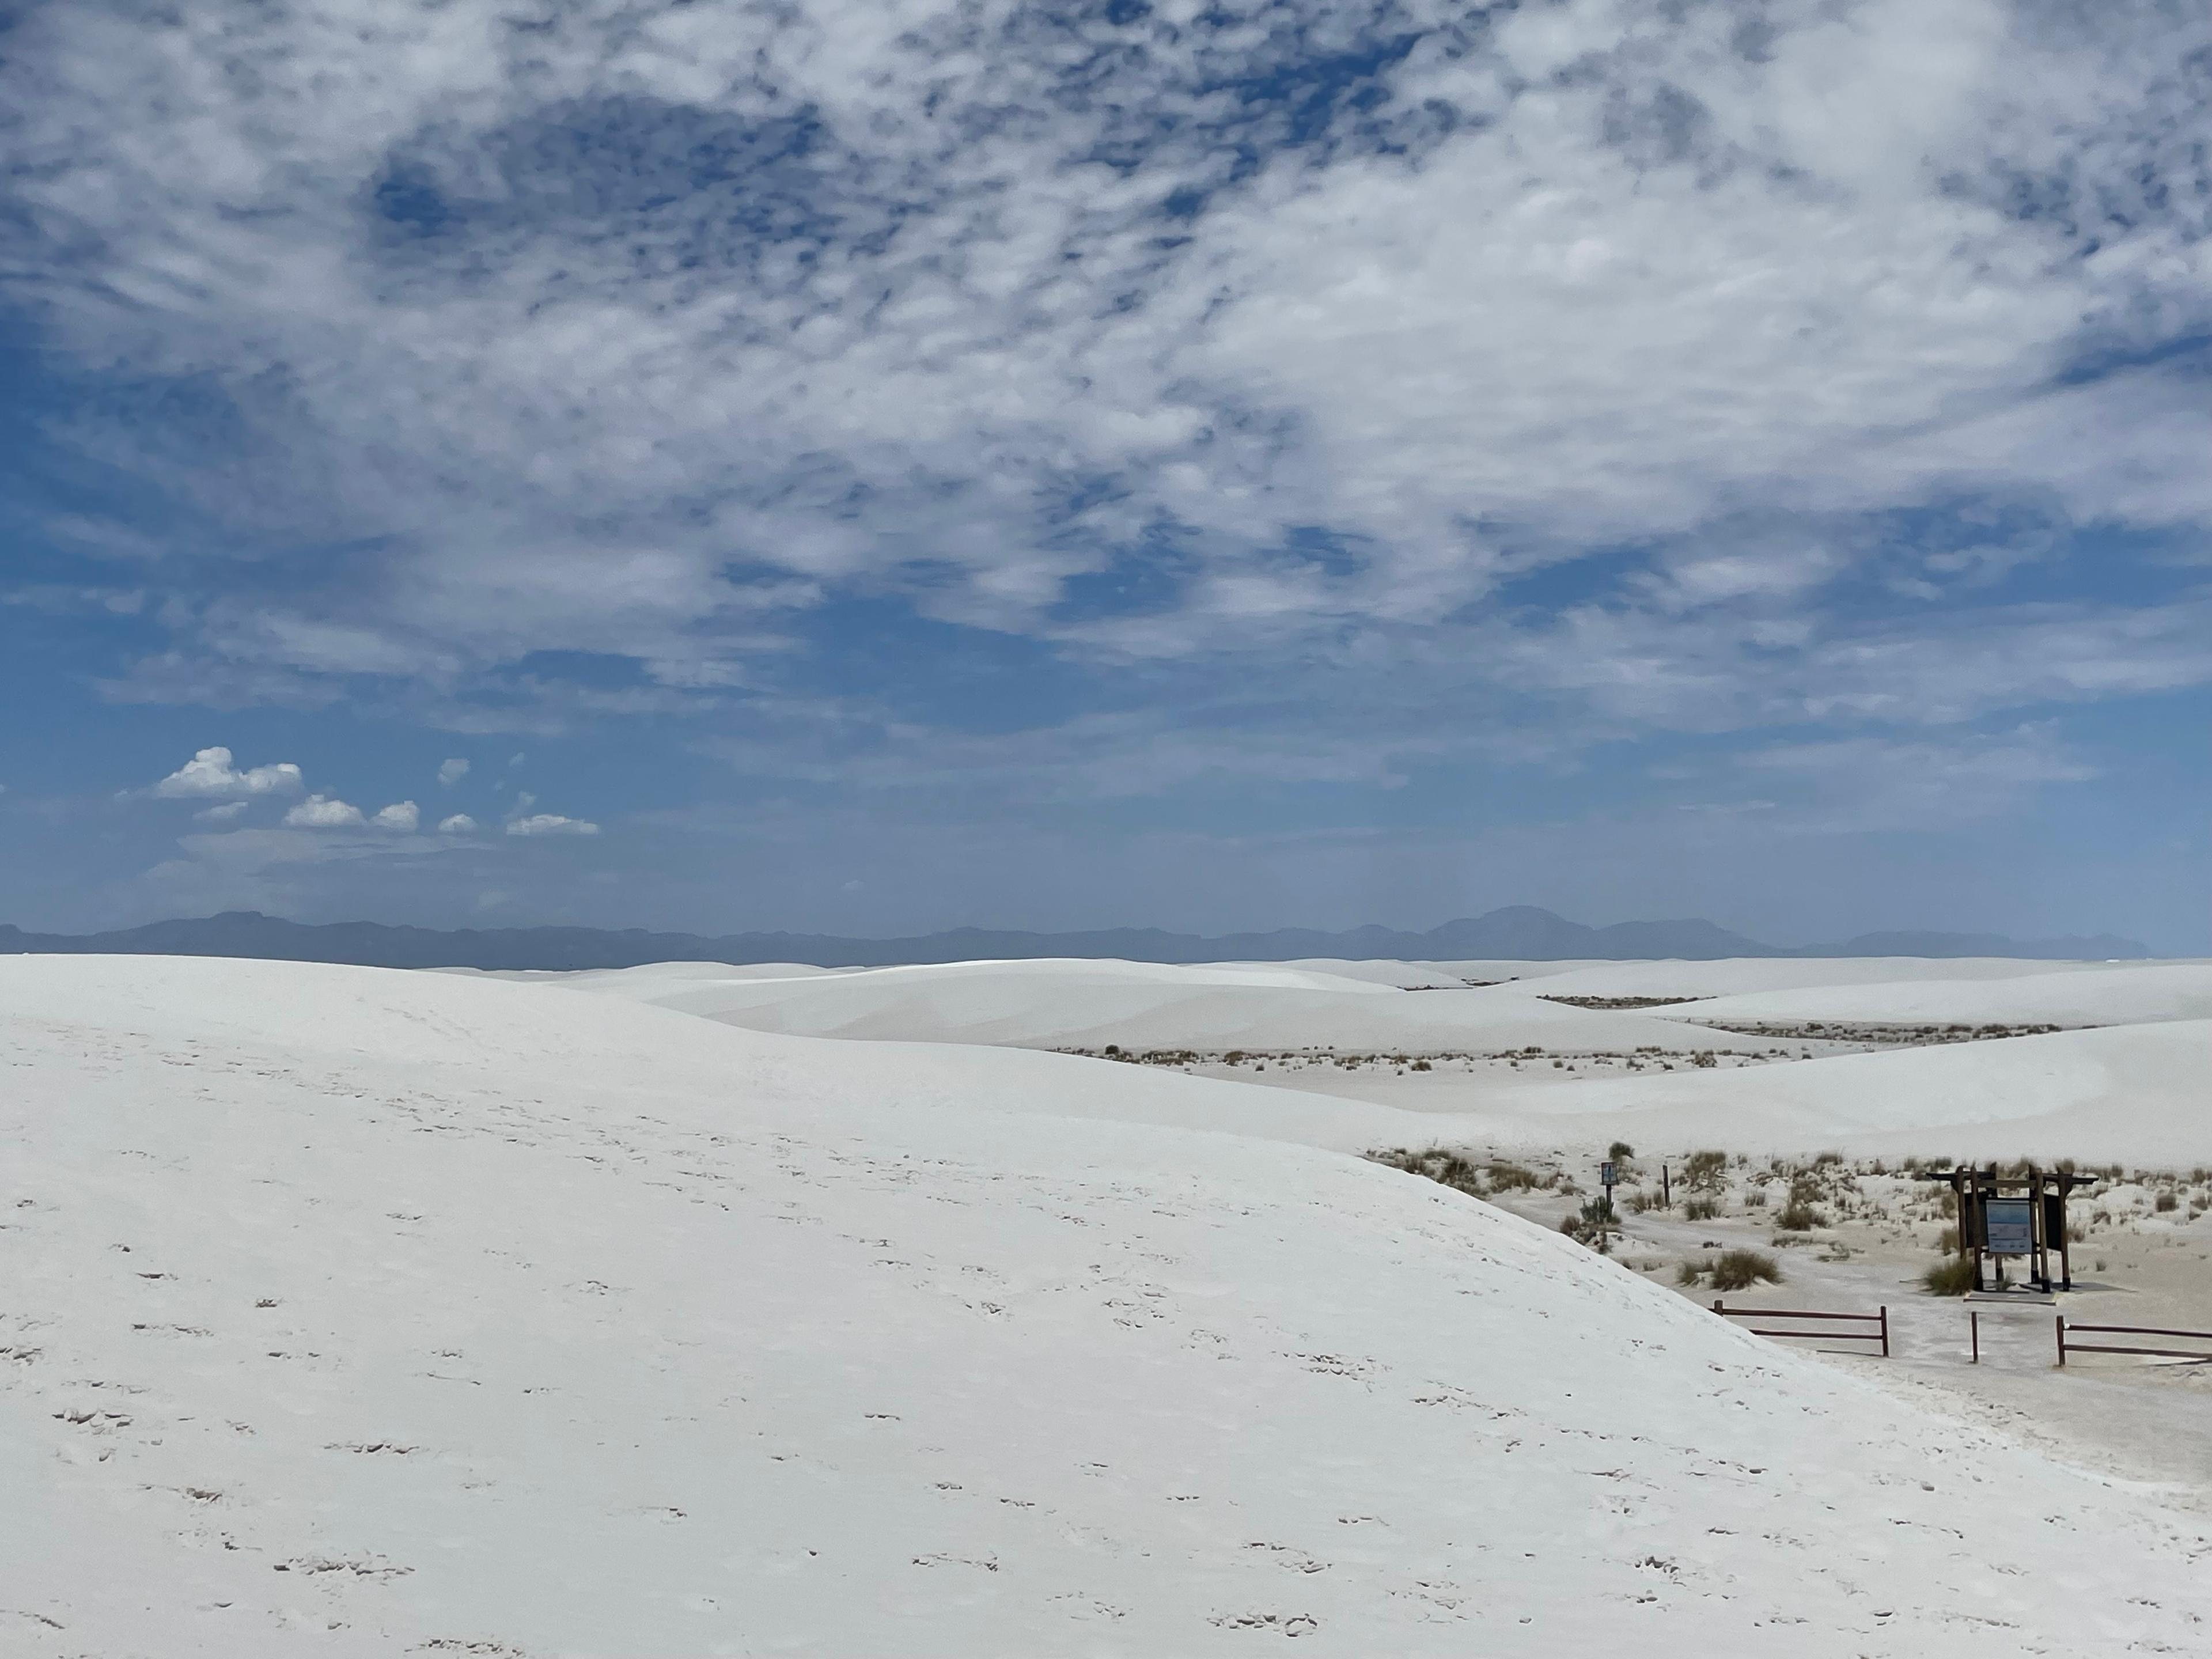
(1879, 1322)
(2066, 1344)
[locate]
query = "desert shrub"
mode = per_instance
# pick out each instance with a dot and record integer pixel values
(1687, 1273)
(1511, 1178)
(1739, 1270)
(1644, 1198)
(1423, 1066)
(1445, 1169)
(1705, 1058)
(2165, 1202)
(1594, 1225)
(1755, 1198)
(1953, 1276)
(1947, 1242)
(1705, 1172)
(1801, 1214)
(1701, 1209)
(1622, 1155)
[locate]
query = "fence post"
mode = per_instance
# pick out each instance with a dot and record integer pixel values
(1974, 1329)
(2062, 1340)
(1885, 1330)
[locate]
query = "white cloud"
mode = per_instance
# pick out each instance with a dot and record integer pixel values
(551, 824)
(324, 813)
(452, 771)
(404, 816)
(1601, 270)
(227, 812)
(1880, 783)
(459, 824)
(210, 771)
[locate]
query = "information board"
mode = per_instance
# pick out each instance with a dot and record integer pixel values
(2008, 1226)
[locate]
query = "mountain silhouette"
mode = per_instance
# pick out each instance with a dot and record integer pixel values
(1518, 932)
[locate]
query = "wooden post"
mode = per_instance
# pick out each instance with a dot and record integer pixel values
(2062, 1341)
(1885, 1330)
(1666, 1189)
(1974, 1331)
(2038, 1273)
(1974, 1191)
(2065, 1234)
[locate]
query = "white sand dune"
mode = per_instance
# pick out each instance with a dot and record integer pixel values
(1083, 1004)
(1413, 975)
(2134, 1094)
(2131, 1092)
(1744, 975)
(658, 973)
(354, 1313)
(2120, 995)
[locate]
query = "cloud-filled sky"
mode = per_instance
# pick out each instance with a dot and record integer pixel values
(875, 467)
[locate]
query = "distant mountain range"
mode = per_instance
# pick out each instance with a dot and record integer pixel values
(1520, 933)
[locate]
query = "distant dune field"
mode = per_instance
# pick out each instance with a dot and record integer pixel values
(1807, 1055)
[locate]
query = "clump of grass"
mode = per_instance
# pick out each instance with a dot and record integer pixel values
(1687, 1273)
(1446, 1169)
(1799, 1215)
(2165, 1202)
(1953, 1276)
(1513, 1178)
(1594, 1225)
(1644, 1198)
(1739, 1270)
(1701, 1209)
(1705, 1172)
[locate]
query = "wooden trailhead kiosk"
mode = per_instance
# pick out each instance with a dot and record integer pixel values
(2018, 1215)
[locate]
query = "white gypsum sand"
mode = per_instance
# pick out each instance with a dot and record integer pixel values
(1066, 1004)
(354, 1312)
(2129, 1089)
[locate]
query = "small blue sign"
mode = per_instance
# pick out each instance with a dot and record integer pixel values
(2008, 1226)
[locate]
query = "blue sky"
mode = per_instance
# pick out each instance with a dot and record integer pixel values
(879, 467)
